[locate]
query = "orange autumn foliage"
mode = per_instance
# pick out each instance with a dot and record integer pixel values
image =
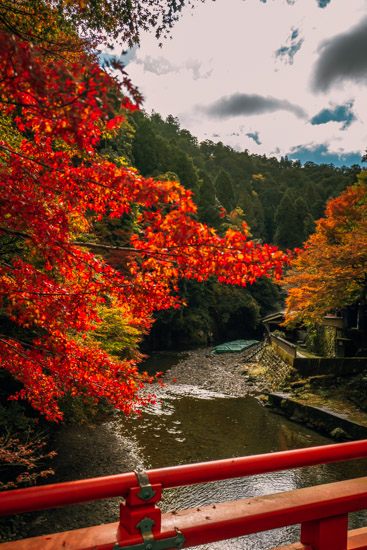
(331, 271)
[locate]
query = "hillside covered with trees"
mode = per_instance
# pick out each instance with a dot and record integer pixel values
(279, 200)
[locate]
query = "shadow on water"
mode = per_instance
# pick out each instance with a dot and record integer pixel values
(191, 425)
(161, 361)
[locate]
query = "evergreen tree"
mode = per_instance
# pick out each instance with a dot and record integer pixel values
(252, 208)
(147, 147)
(225, 190)
(208, 206)
(287, 234)
(259, 227)
(182, 164)
(247, 206)
(313, 200)
(301, 212)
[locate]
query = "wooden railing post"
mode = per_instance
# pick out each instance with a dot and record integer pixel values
(326, 534)
(140, 504)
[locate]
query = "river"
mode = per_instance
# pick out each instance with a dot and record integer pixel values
(190, 424)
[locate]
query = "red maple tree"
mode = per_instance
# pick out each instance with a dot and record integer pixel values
(54, 185)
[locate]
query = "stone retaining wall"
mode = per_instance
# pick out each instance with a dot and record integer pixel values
(321, 419)
(278, 372)
(285, 349)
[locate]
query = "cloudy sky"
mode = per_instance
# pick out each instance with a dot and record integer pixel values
(276, 77)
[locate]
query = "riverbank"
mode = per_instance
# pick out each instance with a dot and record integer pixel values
(227, 373)
(113, 446)
(339, 400)
(91, 451)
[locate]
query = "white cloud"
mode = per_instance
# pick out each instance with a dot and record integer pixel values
(229, 47)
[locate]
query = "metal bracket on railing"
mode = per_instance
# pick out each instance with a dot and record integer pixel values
(146, 492)
(149, 542)
(140, 503)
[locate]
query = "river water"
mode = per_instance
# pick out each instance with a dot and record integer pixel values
(190, 425)
(186, 425)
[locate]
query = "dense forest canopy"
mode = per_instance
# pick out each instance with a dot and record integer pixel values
(255, 184)
(280, 201)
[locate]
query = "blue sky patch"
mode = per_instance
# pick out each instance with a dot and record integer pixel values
(106, 58)
(341, 113)
(321, 155)
(288, 52)
(254, 136)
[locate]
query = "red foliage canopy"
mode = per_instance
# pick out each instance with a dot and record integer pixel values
(53, 186)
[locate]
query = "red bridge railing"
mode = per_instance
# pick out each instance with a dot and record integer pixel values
(322, 511)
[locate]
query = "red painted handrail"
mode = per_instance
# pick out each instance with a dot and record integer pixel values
(62, 494)
(321, 510)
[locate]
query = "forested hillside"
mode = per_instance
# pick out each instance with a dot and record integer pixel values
(280, 200)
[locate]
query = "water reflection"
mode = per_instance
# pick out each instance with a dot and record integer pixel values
(190, 425)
